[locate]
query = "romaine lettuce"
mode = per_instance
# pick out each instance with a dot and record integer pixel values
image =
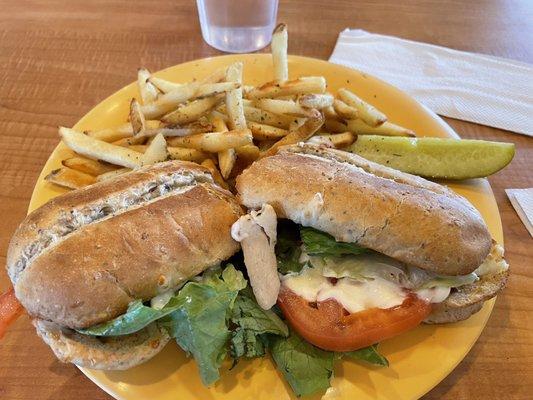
(306, 368)
(323, 244)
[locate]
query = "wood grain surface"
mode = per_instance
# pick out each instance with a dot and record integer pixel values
(58, 58)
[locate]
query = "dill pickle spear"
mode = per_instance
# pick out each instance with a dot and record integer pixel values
(436, 157)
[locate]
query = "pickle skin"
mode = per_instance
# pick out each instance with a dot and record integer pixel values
(437, 158)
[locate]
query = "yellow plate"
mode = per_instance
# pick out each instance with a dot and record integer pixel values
(418, 360)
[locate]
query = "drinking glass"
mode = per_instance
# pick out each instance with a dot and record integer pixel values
(237, 26)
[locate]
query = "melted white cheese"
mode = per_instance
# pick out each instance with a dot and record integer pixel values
(353, 295)
(494, 262)
(161, 300)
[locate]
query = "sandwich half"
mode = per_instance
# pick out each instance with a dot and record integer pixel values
(371, 252)
(99, 268)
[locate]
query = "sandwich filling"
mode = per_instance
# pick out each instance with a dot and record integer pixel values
(369, 280)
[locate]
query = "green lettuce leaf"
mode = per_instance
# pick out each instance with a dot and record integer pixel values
(136, 318)
(306, 368)
(288, 251)
(251, 324)
(200, 326)
(449, 281)
(323, 244)
(369, 354)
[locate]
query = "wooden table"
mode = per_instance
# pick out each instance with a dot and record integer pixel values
(61, 57)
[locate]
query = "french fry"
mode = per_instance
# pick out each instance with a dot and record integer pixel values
(178, 131)
(304, 132)
(279, 53)
(122, 131)
(330, 113)
(87, 166)
(141, 148)
(219, 114)
(265, 117)
(266, 132)
(344, 110)
(264, 145)
(181, 153)
(214, 142)
(248, 153)
(94, 148)
(339, 140)
(70, 178)
(147, 90)
(112, 174)
(359, 127)
(234, 106)
(191, 111)
(156, 151)
(226, 158)
(296, 123)
(217, 177)
(212, 89)
(300, 86)
(137, 120)
(167, 86)
(335, 126)
(163, 85)
(169, 101)
(318, 101)
(277, 106)
(368, 113)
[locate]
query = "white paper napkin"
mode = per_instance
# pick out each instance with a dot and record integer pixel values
(472, 87)
(522, 201)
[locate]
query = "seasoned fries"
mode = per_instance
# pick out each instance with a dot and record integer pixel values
(147, 90)
(217, 177)
(137, 121)
(163, 85)
(192, 111)
(70, 178)
(279, 53)
(304, 132)
(112, 174)
(266, 132)
(156, 151)
(87, 166)
(300, 86)
(358, 127)
(221, 123)
(213, 142)
(181, 153)
(277, 106)
(344, 110)
(94, 148)
(368, 113)
(319, 101)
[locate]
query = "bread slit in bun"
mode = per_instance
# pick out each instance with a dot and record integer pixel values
(165, 224)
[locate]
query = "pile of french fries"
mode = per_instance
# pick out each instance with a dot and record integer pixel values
(220, 123)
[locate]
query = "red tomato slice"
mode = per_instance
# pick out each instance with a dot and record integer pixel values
(328, 325)
(10, 310)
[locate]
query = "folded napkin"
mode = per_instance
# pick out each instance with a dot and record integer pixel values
(522, 201)
(472, 87)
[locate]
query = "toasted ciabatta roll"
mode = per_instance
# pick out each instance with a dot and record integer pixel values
(408, 218)
(81, 258)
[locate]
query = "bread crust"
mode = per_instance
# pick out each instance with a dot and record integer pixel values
(403, 216)
(113, 353)
(468, 299)
(91, 274)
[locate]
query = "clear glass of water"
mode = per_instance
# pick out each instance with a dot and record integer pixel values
(237, 26)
